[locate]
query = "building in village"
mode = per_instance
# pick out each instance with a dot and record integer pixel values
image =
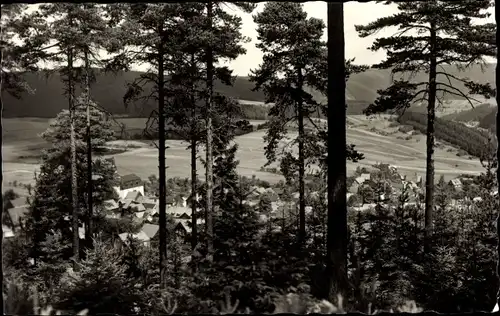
(129, 183)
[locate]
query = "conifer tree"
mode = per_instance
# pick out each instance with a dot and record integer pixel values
(13, 58)
(291, 44)
(51, 202)
(444, 35)
(337, 240)
(61, 34)
(146, 38)
(497, 77)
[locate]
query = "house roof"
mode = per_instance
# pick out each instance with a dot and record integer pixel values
(150, 230)
(133, 195)
(137, 207)
(17, 213)
(129, 177)
(110, 205)
(126, 203)
(179, 210)
(183, 223)
(456, 182)
(141, 236)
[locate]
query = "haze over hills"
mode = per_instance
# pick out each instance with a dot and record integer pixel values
(108, 91)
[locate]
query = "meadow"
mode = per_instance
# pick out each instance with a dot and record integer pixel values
(377, 138)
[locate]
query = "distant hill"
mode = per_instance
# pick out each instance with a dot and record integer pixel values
(473, 115)
(489, 120)
(109, 89)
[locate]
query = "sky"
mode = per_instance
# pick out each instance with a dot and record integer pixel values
(355, 13)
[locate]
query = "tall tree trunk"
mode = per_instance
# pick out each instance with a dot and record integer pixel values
(209, 158)
(431, 114)
(336, 261)
(162, 168)
(1, 173)
(302, 203)
(497, 77)
(194, 178)
(74, 176)
(88, 224)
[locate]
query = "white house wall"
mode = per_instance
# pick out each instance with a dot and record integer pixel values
(123, 193)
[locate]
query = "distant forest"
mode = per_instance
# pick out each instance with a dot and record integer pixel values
(471, 140)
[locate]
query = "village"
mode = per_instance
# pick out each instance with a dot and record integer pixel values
(365, 190)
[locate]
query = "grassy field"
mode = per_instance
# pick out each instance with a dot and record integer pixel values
(378, 138)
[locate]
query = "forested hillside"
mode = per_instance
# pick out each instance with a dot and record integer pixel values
(109, 90)
(476, 114)
(472, 141)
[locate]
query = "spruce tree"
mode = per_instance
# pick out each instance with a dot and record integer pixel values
(444, 35)
(291, 44)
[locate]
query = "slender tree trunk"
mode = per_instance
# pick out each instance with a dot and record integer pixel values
(194, 178)
(336, 261)
(162, 169)
(497, 76)
(74, 176)
(431, 114)
(88, 224)
(209, 158)
(302, 204)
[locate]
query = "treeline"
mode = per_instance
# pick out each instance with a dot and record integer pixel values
(471, 140)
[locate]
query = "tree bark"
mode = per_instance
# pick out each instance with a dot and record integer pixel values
(162, 168)
(497, 77)
(194, 178)
(209, 158)
(431, 115)
(74, 176)
(336, 261)
(302, 205)
(88, 225)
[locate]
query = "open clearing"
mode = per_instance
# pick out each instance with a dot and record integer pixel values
(376, 138)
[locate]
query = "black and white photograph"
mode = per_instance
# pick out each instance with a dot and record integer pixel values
(251, 157)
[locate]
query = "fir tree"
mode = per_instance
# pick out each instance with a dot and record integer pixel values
(444, 35)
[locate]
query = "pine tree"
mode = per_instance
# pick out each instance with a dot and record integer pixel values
(445, 36)
(337, 240)
(291, 44)
(56, 33)
(13, 58)
(497, 76)
(51, 202)
(145, 32)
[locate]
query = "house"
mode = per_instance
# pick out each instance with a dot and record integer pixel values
(456, 183)
(7, 232)
(111, 206)
(150, 230)
(150, 204)
(134, 195)
(129, 183)
(179, 212)
(182, 227)
(16, 217)
(140, 236)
